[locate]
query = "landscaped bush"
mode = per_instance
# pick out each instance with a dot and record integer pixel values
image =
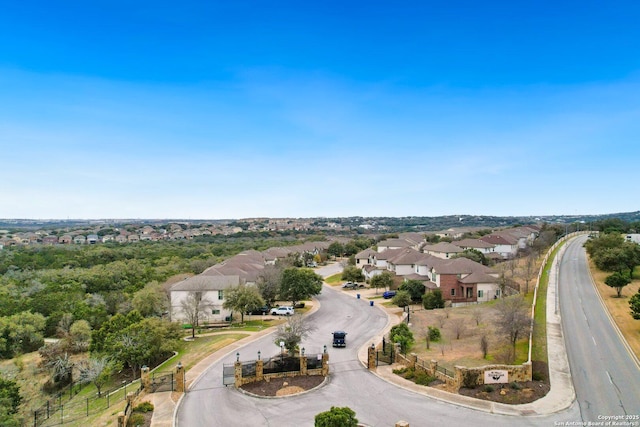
(488, 388)
(422, 378)
(537, 376)
(136, 419)
(145, 406)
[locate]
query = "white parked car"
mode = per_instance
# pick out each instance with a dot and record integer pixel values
(282, 311)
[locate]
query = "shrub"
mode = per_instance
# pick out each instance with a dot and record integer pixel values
(434, 333)
(514, 385)
(537, 376)
(145, 406)
(470, 379)
(400, 371)
(135, 419)
(422, 378)
(488, 388)
(433, 299)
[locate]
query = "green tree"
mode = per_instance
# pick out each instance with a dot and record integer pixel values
(433, 299)
(618, 281)
(337, 417)
(473, 255)
(335, 249)
(144, 343)
(299, 284)
(101, 339)
(402, 299)
(10, 398)
(79, 335)
(150, 300)
(352, 274)
(21, 333)
(242, 299)
(383, 280)
(402, 335)
(634, 303)
(415, 288)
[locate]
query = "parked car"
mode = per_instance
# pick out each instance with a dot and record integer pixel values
(352, 285)
(339, 339)
(260, 310)
(388, 294)
(282, 311)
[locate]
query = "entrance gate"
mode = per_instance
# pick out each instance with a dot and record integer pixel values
(162, 381)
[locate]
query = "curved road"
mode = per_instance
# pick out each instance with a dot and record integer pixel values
(605, 376)
(378, 403)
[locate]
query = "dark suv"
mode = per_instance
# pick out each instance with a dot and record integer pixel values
(261, 310)
(339, 339)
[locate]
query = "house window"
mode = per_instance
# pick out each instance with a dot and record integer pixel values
(480, 293)
(498, 292)
(215, 311)
(453, 292)
(220, 295)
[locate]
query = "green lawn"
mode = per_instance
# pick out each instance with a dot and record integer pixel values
(334, 280)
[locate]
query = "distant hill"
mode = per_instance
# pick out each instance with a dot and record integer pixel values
(388, 224)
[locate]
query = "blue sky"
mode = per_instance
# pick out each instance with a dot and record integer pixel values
(113, 109)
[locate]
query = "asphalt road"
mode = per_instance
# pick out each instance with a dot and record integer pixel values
(605, 376)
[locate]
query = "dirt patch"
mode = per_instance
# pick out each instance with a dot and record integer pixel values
(514, 393)
(284, 386)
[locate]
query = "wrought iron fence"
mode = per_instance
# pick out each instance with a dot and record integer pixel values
(314, 361)
(445, 371)
(62, 410)
(249, 368)
(279, 364)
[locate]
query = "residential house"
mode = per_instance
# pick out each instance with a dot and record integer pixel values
(50, 240)
(504, 244)
(390, 244)
(79, 239)
(365, 257)
(442, 250)
(476, 244)
(463, 281)
(92, 239)
(210, 289)
(66, 239)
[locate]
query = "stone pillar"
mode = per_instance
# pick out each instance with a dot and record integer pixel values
(260, 369)
(457, 377)
(303, 365)
(121, 422)
(130, 398)
(402, 424)
(528, 371)
(325, 364)
(145, 378)
(238, 373)
(371, 359)
(433, 365)
(180, 378)
(413, 358)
